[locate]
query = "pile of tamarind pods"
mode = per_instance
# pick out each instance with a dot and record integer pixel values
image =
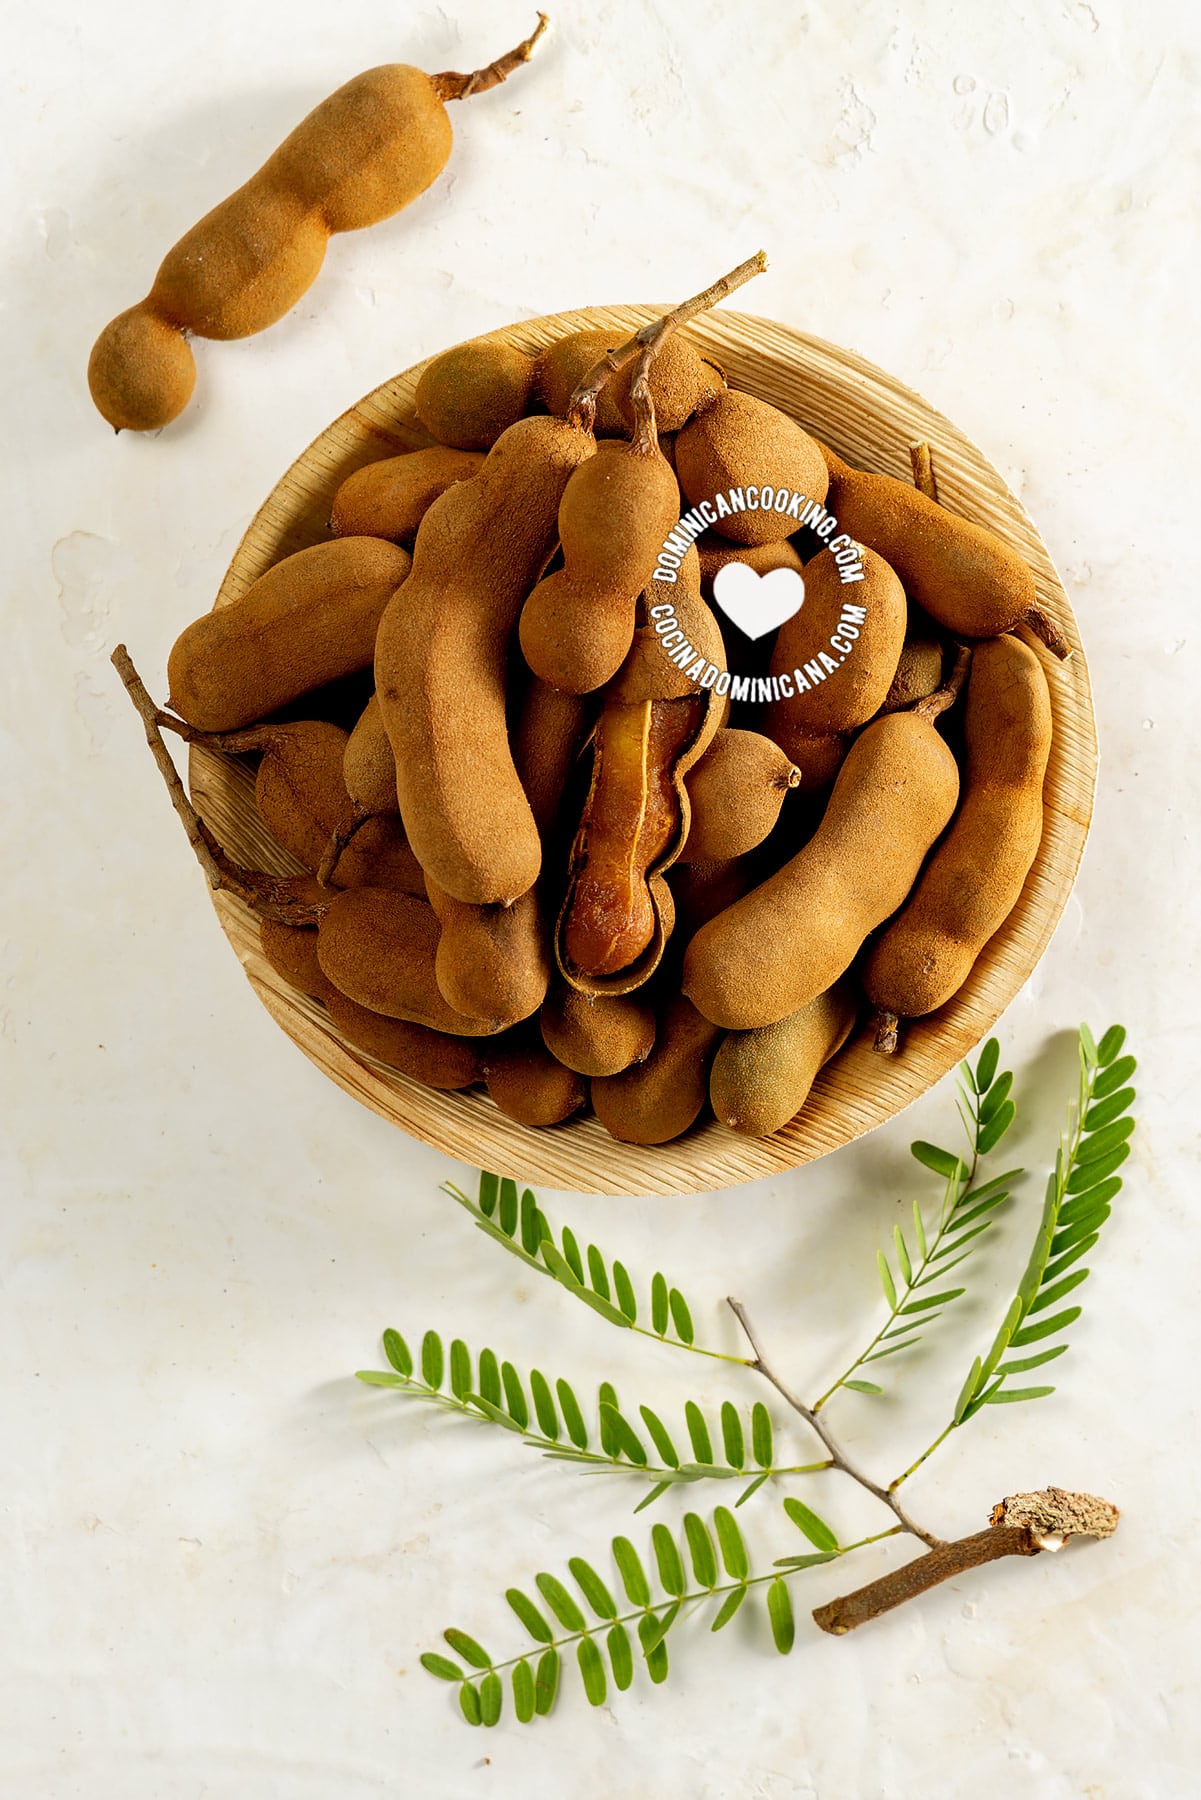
(538, 854)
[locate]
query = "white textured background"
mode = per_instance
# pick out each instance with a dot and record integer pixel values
(219, 1557)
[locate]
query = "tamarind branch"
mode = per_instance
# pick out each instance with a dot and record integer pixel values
(451, 86)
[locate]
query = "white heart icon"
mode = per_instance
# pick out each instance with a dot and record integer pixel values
(757, 603)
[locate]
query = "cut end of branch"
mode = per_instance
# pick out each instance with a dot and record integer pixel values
(886, 1032)
(1056, 1513)
(451, 86)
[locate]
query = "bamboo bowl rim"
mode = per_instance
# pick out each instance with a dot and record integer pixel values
(870, 418)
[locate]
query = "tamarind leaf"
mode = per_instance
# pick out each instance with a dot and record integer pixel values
(1070, 1256)
(489, 1192)
(698, 1431)
(529, 1615)
(623, 1288)
(598, 1275)
(1101, 1142)
(1085, 1225)
(996, 1097)
(492, 1696)
(753, 1488)
(1110, 1044)
(612, 1313)
(460, 1369)
(930, 1300)
(761, 1435)
(667, 1559)
(398, 1353)
(571, 1254)
(1047, 1296)
(573, 1418)
(469, 1703)
(681, 1318)
(968, 1391)
(919, 1233)
(986, 1065)
(780, 1615)
(560, 1602)
(380, 1378)
(441, 1666)
(524, 1696)
(659, 1305)
(544, 1405)
(660, 1437)
(728, 1608)
(633, 1575)
(700, 1549)
(1103, 1112)
(654, 1627)
(1088, 1042)
(886, 1280)
(431, 1360)
(1030, 1334)
(546, 1681)
(515, 1399)
(806, 1562)
(607, 1394)
(731, 1435)
(942, 1162)
(593, 1588)
(1114, 1077)
(491, 1229)
(730, 1542)
(497, 1414)
(903, 1262)
(994, 1129)
(592, 1670)
(1080, 1205)
(656, 1493)
(531, 1234)
(816, 1530)
(621, 1656)
(864, 1387)
(1001, 1396)
(1024, 1363)
(467, 1648)
(507, 1211)
(624, 1440)
(488, 1378)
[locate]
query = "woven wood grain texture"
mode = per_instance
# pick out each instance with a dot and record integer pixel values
(871, 420)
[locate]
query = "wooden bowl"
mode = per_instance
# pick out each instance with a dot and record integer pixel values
(871, 419)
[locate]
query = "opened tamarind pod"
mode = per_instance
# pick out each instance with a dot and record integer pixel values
(835, 658)
(492, 961)
(528, 1084)
(440, 662)
(309, 620)
(596, 1034)
(973, 880)
(745, 450)
(965, 577)
(791, 937)
(431, 1057)
(761, 1079)
(470, 394)
(682, 381)
(379, 947)
(578, 623)
(657, 1100)
(358, 157)
(389, 498)
(715, 552)
(735, 792)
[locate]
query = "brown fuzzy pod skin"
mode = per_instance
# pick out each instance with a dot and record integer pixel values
(526, 1083)
(791, 938)
(467, 396)
(597, 1035)
(578, 623)
(740, 440)
(976, 875)
(971, 582)
(817, 758)
(919, 672)
(678, 629)
(761, 1079)
(702, 890)
(682, 381)
(440, 663)
(492, 961)
(430, 1057)
(735, 792)
(548, 736)
(840, 651)
(659, 1099)
(368, 765)
(309, 620)
(389, 498)
(379, 948)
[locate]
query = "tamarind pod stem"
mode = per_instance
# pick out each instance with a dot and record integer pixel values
(451, 86)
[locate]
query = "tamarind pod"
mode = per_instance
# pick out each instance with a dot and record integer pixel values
(526, 1083)
(596, 1034)
(379, 948)
(548, 736)
(657, 1100)
(675, 630)
(791, 937)
(308, 620)
(470, 394)
(578, 623)
(703, 889)
(839, 653)
(492, 961)
(431, 1057)
(361, 155)
(975, 876)
(818, 759)
(440, 661)
(735, 792)
(742, 443)
(964, 576)
(682, 381)
(389, 498)
(761, 1079)
(919, 671)
(368, 765)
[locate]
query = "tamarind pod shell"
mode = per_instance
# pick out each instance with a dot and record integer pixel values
(741, 440)
(548, 737)
(791, 937)
(526, 1083)
(470, 394)
(682, 381)
(310, 619)
(658, 1100)
(379, 948)
(440, 663)
(596, 1035)
(976, 875)
(578, 623)
(492, 961)
(735, 792)
(830, 695)
(368, 765)
(389, 498)
(919, 673)
(141, 371)
(761, 1079)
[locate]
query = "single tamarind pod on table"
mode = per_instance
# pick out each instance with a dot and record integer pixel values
(658, 1100)
(975, 876)
(838, 654)
(735, 792)
(596, 1034)
(682, 381)
(310, 619)
(528, 1084)
(467, 396)
(431, 1057)
(791, 937)
(578, 623)
(761, 1079)
(746, 446)
(492, 961)
(389, 498)
(440, 663)
(379, 948)
(361, 155)
(965, 577)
